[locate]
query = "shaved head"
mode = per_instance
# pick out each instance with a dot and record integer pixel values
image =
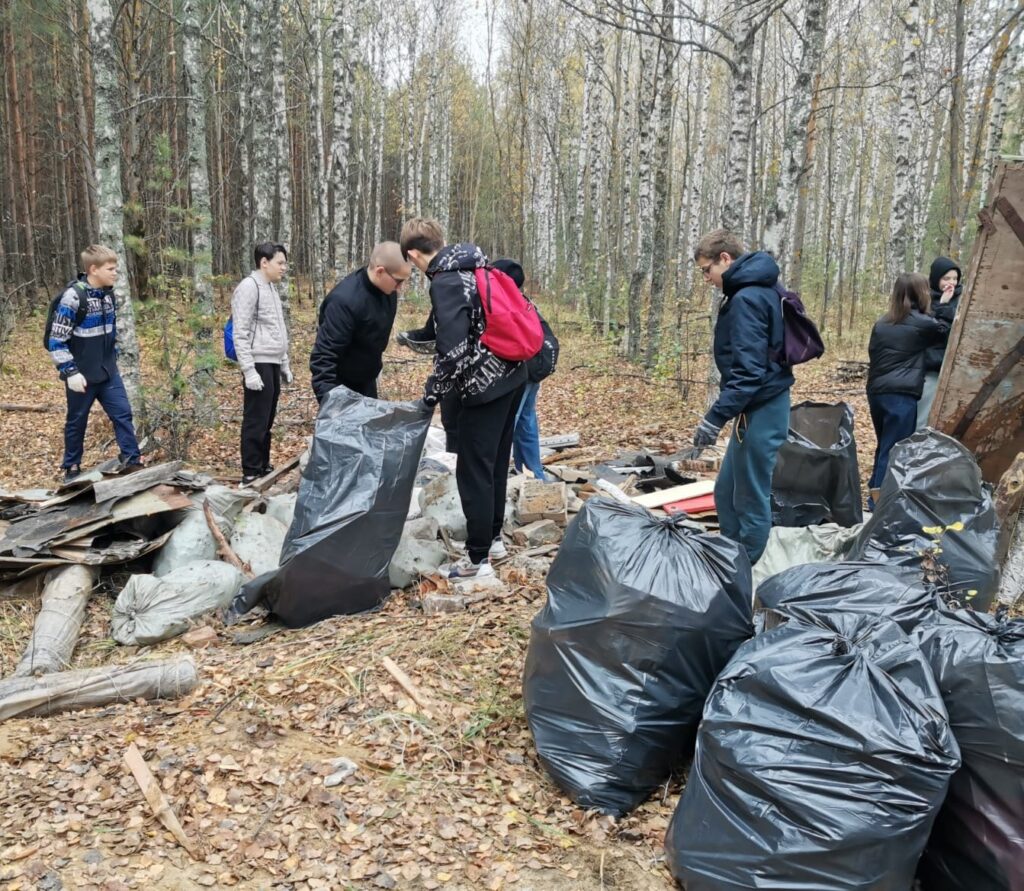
(389, 255)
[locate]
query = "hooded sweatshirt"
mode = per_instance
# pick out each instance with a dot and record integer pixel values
(945, 312)
(748, 332)
(462, 363)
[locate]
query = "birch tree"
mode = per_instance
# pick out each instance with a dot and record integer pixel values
(737, 171)
(905, 133)
(343, 40)
(794, 156)
(110, 203)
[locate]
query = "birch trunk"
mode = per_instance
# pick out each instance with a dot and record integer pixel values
(662, 184)
(794, 156)
(277, 134)
(902, 203)
(737, 171)
(109, 197)
(645, 197)
(346, 20)
(956, 129)
(1008, 76)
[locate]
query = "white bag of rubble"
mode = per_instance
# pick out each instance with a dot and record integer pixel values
(191, 539)
(151, 609)
(418, 553)
(439, 500)
(282, 508)
(257, 540)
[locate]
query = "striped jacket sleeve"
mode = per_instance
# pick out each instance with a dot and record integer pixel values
(63, 327)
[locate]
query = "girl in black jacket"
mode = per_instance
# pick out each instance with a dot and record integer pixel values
(946, 283)
(896, 354)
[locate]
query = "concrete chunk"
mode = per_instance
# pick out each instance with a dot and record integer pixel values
(542, 501)
(436, 603)
(439, 500)
(541, 532)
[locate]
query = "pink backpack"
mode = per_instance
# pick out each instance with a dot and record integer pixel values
(512, 329)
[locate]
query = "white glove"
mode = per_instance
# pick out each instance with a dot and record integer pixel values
(252, 380)
(286, 373)
(76, 383)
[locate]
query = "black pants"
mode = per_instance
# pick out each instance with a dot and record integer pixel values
(363, 388)
(258, 410)
(485, 445)
(451, 406)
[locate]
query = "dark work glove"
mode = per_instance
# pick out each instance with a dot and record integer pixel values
(428, 402)
(706, 435)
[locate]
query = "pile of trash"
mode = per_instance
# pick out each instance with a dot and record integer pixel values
(853, 726)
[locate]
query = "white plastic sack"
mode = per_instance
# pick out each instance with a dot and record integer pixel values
(794, 545)
(227, 504)
(151, 609)
(282, 508)
(257, 540)
(190, 541)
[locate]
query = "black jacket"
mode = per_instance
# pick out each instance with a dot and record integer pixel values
(945, 312)
(896, 353)
(749, 330)
(353, 332)
(462, 363)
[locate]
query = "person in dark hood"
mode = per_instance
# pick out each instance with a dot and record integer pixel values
(755, 386)
(490, 388)
(945, 282)
(896, 366)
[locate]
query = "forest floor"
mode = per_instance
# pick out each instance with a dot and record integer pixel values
(451, 799)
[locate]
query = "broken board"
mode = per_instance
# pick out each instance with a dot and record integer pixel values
(676, 494)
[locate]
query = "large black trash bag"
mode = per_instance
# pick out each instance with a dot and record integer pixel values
(816, 479)
(935, 512)
(642, 614)
(350, 512)
(823, 757)
(978, 839)
(874, 589)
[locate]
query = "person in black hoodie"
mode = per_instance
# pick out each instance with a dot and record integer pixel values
(490, 388)
(945, 281)
(355, 324)
(755, 386)
(896, 365)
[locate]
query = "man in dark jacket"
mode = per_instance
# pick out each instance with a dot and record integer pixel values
(945, 282)
(490, 388)
(754, 390)
(355, 324)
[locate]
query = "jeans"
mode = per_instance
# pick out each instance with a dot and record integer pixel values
(258, 410)
(485, 445)
(526, 439)
(112, 396)
(744, 486)
(895, 417)
(928, 393)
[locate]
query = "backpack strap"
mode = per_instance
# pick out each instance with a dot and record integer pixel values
(83, 302)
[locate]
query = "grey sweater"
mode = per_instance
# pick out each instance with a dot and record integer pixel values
(260, 332)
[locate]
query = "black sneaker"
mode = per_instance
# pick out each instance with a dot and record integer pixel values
(268, 469)
(72, 473)
(415, 341)
(249, 478)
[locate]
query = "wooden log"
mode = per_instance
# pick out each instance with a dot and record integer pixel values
(265, 482)
(405, 682)
(73, 690)
(59, 621)
(13, 406)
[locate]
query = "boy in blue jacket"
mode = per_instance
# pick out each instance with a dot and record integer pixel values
(82, 343)
(755, 386)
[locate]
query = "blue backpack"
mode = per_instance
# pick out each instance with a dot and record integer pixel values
(229, 330)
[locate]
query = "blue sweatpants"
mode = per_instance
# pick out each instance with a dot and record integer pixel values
(526, 439)
(744, 486)
(894, 416)
(112, 396)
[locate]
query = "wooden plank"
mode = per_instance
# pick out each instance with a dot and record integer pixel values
(1009, 499)
(563, 441)
(265, 482)
(676, 493)
(155, 798)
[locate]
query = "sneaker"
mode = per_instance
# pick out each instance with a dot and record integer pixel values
(465, 568)
(268, 469)
(415, 341)
(72, 473)
(498, 551)
(250, 478)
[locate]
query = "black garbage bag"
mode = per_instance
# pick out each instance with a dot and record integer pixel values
(936, 513)
(978, 839)
(350, 512)
(822, 760)
(898, 592)
(642, 614)
(816, 479)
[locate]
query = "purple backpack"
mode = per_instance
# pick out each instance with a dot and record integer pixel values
(801, 341)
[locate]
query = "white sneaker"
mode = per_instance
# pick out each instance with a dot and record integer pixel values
(464, 568)
(498, 551)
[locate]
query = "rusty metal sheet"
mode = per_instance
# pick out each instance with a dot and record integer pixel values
(981, 358)
(130, 483)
